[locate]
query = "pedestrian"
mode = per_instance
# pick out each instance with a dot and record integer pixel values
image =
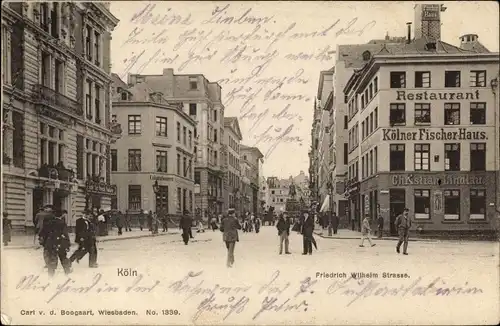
(403, 224)
(150, 220)
(307, 228)
(185, 225)
(200, 227)
(230, 226)
(213, 223)
(164, 221)
(126, 220)
(40, 220)
(365, 231)
(335, 222)
(141, 218)
(55, 239)
(257, 223)
(85, 237)
(119, 222)
(7, 229)
(380, 224)
(155, 223)
(283, 227)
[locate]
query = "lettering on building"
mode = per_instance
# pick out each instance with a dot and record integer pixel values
(101, 188)
(436, 96)
(160, 177)
(427, 134)
(430, 180)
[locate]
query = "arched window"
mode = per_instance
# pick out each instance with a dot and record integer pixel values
(366, 55)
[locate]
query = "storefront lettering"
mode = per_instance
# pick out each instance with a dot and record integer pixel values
(160, 177)
(426, 134)
(436, 96)
(429, 180)
(102, 188)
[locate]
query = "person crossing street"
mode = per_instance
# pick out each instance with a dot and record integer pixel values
(85, 237)
(365, 231)
(55, 240)
(403, 224)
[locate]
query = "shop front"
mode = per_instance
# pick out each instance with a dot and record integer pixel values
(450, 202)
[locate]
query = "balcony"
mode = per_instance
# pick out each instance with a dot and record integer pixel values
(58, 172)
(63, 104)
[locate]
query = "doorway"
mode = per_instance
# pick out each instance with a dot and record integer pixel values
(397, 203)
(37, 201)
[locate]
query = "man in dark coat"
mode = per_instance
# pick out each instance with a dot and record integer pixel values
(335, 222)
(55, 239)
(380, 223)
(185, 225)
(150, 220)
(307, 228)
(403, 224)
(230, 226)
(86, 238)
(141, 219)
(120, 221)
(127, 221)
(39, 221)
(283, 227)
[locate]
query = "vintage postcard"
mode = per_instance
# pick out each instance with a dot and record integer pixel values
(250, 163)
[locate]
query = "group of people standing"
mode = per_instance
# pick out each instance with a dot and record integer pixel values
(53, 235)
(251, 223)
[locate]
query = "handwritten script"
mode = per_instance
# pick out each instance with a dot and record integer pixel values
(257, 55)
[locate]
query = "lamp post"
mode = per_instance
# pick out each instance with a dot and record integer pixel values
(156, 190)
(329, 185)
(494, 83)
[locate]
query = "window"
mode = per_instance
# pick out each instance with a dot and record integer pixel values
(398, 79)
(215, 135)
(346, 153)
(195, 152)
(184, 167)
(452, 204)
(363, 101)
(59, 77)
(18, 139)
(46, 67)
(44, 19)
(97, 104)
(346, 122)
(478, 156)
(179, 199)
(478, 78)
(114, 160)
(375, 160)
(134, 124)
(422, 113)
(422, 201)
(397, 157)
(178, 131)
(375, 85)
(215, 115)
(184, 135)
(178, 164)
(478, 113)
(134, 197)
(366, 55)
(422, 157)
(370, 91)
(477, 204)
(192, 109)
(190, 169)
(51, 146)
(375, 118)
(190, 140)
(452, 113)
(161, 126)
(397, 115)
(452, 79)
(193, 83)
(88, 46)
(370, 164)
(370, 129)
(452, 157)
(422, 79)
(124, 96)
(114, 118)
(97, 46)
(197, 178)
(134, 160)
(363, 135)
(161, 161)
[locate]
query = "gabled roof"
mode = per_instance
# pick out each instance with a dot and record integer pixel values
(233, 123)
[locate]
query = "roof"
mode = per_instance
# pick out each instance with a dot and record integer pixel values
(234, 124)
(117, 81)
(251, 149)
(322, 75)
(475, 47)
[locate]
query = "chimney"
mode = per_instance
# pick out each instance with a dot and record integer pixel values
(408, 41)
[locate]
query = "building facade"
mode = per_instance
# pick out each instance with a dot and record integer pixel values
(202, 101)
(422, 130)
(252, 159)
(232, 140)
(153, 168)
(56, 108)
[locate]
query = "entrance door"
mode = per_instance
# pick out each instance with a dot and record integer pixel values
(37, 201)
(396, 206)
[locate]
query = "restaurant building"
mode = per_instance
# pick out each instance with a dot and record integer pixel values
(56, 109)
(153, 168)
(422, 129)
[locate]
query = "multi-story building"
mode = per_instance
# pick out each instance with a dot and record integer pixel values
(245, 192)
(232, 141)
(153, 168)
(56, 108)
(252, 158)
(278, 193)
(422, 130)
(203, 103)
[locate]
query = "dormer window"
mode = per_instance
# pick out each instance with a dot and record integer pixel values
(366, 55)
(124, 96)
(193, 83)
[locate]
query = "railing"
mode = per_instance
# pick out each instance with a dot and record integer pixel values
(58, 172)
(51, 97)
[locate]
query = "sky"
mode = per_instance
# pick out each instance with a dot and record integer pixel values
(267, 56)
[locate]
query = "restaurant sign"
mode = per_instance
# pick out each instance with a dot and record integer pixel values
(436, 96)
(100, 188)
(427, 134)
(434, 180)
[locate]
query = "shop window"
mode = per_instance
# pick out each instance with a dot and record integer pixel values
(478, 156)
(397, 114)
(478, 78)
(452, 204)
(397, 157)
(422, 201)
(478, 113)
(422, 113)
(452, 157)
(477, 204)
(452, 113)
(134, 197)
(422, 79)
(398, 79)
(422, 157)
(452, 79)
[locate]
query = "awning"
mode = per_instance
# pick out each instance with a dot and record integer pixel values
(326, 204)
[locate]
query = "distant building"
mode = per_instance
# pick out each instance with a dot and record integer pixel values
(251, 158)
(232, 141)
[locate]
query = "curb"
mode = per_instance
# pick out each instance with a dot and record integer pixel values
(396, 239)
(98, 240)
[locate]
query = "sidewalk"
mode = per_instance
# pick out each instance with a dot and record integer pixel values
(349, 234)
(26, 241)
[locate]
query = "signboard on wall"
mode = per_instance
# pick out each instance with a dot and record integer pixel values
(438, 201)
(428, 134)
(443, 180)
(430, 12)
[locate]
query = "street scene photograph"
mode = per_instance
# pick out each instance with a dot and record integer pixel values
(250, 163)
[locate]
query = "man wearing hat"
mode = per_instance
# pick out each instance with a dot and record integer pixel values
(230, 226)
(403, 224)
(56, 243)
(40, 221)
(307, 228)
(185, 225)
